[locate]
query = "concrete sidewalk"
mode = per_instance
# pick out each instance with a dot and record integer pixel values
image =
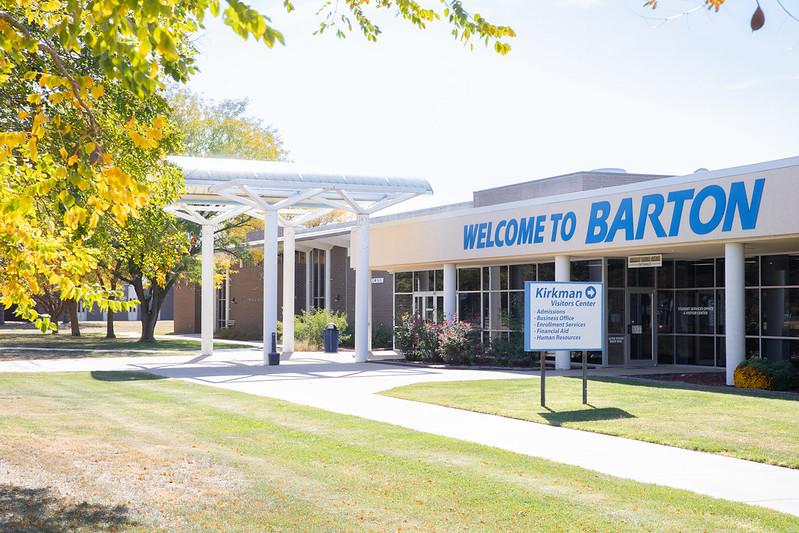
(336, 384)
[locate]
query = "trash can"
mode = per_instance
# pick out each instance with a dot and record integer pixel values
(330, 339)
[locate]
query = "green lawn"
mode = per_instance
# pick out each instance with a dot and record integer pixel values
(97, 342)
(760, 427)
(131, 451)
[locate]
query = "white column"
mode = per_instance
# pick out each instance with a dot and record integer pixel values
(450, 292)
(562, 273)
(270, 280)
(308, 287)
(734, 306)
(207, 287)
(288, 290)
(362, 291)
(328, 279)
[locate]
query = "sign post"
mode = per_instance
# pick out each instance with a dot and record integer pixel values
(560, 315)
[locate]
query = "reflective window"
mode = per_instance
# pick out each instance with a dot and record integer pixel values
(665, 312)
(519, 274)
(586, 270)
(641, 277)
(469, 308)
(403, 305)
(616, 269)
(666, 275)
(615, 308)
(468, 279)
(546, 272)
(403, 282)
(779, 312)
(776, 270)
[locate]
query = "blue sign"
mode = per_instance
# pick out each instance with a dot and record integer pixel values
(563, 316)
(628, 220)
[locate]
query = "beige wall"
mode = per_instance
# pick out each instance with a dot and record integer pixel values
(435, 239)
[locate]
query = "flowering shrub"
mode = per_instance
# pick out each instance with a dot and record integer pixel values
(455, 347)
(420, 340)
(757, 373)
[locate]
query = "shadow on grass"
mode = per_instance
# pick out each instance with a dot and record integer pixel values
(28, 510)
(642, 381)
(122, 375)
(557, 418)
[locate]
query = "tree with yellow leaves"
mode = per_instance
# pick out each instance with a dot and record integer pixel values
(58, 174)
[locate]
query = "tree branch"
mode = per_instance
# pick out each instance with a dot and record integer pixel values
(59, 64)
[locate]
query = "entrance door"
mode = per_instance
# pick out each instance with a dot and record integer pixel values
(639, 329)
(427, 306)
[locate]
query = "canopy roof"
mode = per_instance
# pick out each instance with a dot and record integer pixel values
(216, 180)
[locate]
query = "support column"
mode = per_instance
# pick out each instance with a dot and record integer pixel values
(734, 307)
(562, 273)
(362, 291)
(328, 279)
(207, 288)
(270, 280)
(308, 287)
(288, 291)
(450, 291)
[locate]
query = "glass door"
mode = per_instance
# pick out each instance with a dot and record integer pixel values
(641, 338)
(426, 306)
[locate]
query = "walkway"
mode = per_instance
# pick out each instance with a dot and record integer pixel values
(326, 382)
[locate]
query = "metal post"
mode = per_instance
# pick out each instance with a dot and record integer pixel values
(270, 279)
(362, 280)
(543, 379)
(207, 291)
(585, 377)
(288, 290)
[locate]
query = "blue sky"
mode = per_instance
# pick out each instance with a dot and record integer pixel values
(589, 84)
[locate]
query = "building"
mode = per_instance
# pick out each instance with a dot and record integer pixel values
(695, 267)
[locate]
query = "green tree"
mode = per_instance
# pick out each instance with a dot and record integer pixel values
(222, 129)
(56, 160)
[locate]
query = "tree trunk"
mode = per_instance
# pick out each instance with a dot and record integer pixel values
(73, 318)
(109, 325)
(148, 322)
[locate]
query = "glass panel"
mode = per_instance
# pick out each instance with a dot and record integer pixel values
(752, 347)
(616, 269)
(705, 312)
(695, 350)
(423, 281)
(439, 275)
(586, 270)
(439, 308)
(752, 271)
(615, 311)
(495, 310)
(615, 349)
(752, 304)
(704, 273)
(640, 327)
(720, 317)
(546, 272)
(720, 272)
(503, 278)
(469, 308)
(486, 279)
(403, 305)
(778, 270)
(403, 282)
(780, 312)
(685, 274)
(780, 349)
(666, 349)
(721, 351)
(665, 312)
(516, 311)
(666, 275)
(641, 277)
(519, 274)
(468, 279)
(685, 320)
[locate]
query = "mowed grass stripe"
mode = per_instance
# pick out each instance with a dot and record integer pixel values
(298, 467)
(761, 427)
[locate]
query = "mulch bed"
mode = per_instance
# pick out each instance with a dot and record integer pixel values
(714, 379)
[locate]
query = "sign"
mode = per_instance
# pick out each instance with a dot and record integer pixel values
(377, 281)
(695, 210)
(563, 316)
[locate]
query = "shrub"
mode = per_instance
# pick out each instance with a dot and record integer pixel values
(757, 373)
(380, 336)
(455, 345)
(427, 344)
(405, 336)
(310, 327)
